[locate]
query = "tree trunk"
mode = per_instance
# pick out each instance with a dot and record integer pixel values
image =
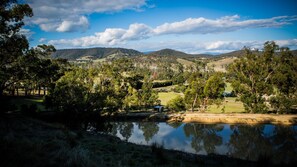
(44, 91)
(194, 102)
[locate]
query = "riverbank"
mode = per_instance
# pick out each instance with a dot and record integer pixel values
(207, 118)
(25, 141)
(234, 118)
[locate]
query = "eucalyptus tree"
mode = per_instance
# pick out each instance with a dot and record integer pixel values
(260, 74)
(201, 92)
(13, 44)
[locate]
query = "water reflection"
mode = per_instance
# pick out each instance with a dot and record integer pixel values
(276, 143)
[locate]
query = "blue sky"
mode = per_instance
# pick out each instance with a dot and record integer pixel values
(192, 26)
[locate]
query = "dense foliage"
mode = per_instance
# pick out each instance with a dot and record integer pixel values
(260, 76)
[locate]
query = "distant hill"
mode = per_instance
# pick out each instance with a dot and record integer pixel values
(169, 52)
(97, 53)
(177, 54)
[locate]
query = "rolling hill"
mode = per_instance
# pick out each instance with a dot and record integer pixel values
(177, 54)
(97, 53)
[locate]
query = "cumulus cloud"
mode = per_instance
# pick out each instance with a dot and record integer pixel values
(70, 25)
(70, 15)
(110, 36)
(137, 31)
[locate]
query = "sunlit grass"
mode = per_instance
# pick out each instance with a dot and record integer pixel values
(228, 87)
(231, 106)
(167, 96)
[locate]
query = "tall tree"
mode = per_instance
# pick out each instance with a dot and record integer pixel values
(148, 96)
(12, 43)
(251, 77)
(285, 82)
(201, 92)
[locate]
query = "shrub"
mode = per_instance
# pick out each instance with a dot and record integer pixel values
(176, 104)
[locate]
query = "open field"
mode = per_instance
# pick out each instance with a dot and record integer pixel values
(185, 62)
(229, 105)
(167, 96)
(220, 65)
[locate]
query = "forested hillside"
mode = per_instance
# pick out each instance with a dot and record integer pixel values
(72, 54)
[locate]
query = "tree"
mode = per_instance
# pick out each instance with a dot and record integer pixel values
(12, 43)
(194, 91)
(214, 89)
(201, 92)
(251, 77)
(148, 96)
(76, 96)
(285, 82)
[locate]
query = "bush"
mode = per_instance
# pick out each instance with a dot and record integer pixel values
(177, 104)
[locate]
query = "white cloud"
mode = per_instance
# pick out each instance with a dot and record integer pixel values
(111, 36)
(69, 25)
(41, 40)
(137, 31)
(224, 24)
(70, 15)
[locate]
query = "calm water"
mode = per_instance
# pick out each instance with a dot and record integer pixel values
(278, 143)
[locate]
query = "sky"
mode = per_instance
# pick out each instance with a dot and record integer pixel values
(191, 26)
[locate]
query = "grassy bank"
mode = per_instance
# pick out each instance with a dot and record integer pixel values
(29, 142)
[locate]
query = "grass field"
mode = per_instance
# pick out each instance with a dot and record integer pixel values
(220, 65)
(231, 106)
(167, 96)
(185, 62)
(228, 87)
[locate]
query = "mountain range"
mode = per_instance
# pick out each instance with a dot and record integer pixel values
(99, 53)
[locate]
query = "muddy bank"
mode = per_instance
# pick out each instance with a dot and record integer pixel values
(234, 118)
(188, 117)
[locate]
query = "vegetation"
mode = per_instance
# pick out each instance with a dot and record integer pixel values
(177, 104)
(260, 74)
(202, 92)
(95, 53)
(11, 21)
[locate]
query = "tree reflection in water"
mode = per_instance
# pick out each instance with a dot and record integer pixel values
(204, 137)
(275, 143)
(248, 142)
(149, 129)
(269, 142)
